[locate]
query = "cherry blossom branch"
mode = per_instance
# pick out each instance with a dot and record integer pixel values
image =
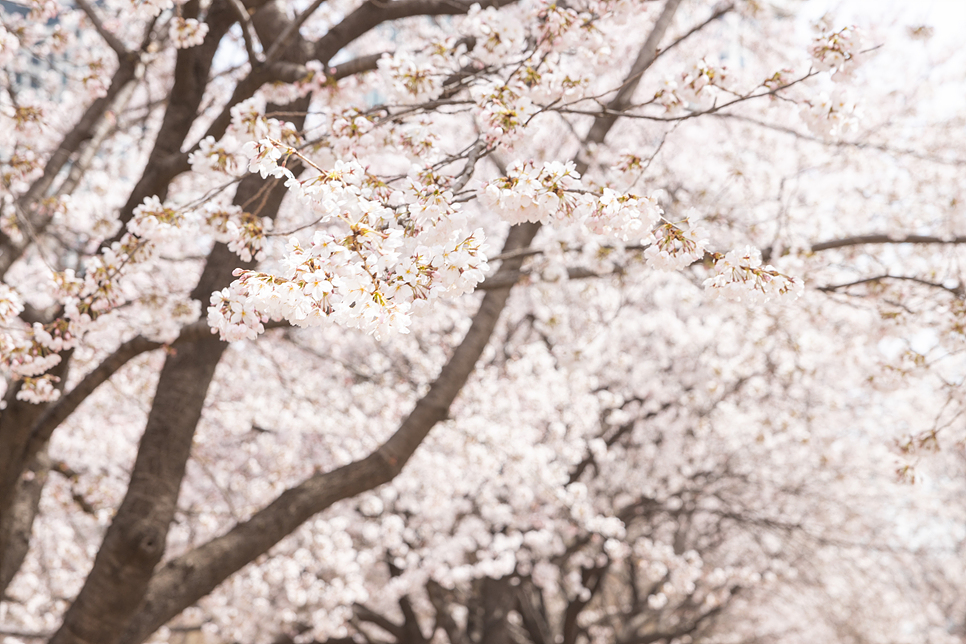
(879, 238)
(645, 58)
(248, 34)
(671, 635)
(591, 579)
(279, 44)
(366, 614)
(59, 412)
(616, 436)
(372, 13)
(471, 157)
(10, 250)
(853, 144)
(717, 13)
(354, 66)
(958, 291)
(611, 111)
(874, 238)
(111, 40)
(439, 597)
(192, 66)
(99, 135)
(534, 620)
(22, 475)
(184, 580)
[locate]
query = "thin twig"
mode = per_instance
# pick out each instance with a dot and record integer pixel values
(280, 43)
(247, 32)
(467, 173)
(957, 290)
(112, 41)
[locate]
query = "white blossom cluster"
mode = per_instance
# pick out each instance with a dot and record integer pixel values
(214, 158)
(739, 276)
(532, 193)
(153, 8)
(39, 389)
(553, 193)
(369, 277)
(830, 115)
(563, 28)
(499, 34)
(11, 304)
(27, 352)
(9, 44)
(244, 233)
(695, 89)
(676, 246)
(153, 219)
(838, 51)
(414, 79)
(504, 111)
(187, 32)
(249, 123)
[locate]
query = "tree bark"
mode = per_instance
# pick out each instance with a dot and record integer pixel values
(134, 543)
(190, 80)
(498, 600)
(17, 524)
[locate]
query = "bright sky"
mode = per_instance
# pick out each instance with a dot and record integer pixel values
(947, 17)
(939, 62)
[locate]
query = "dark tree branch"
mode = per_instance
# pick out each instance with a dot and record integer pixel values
(621, 431)
(873, 238)
(533, 618)
(16, 420)
(411, 632)
(439, 597)
(192, 67)
(957, 290)
(718, 13)
(497, 602)
(681, 631)
(355, 66)
(247, 33)
(373, 13)
(591, 579)
(366, 614)
(114, 591)
(16, 524)
(111, 40)
(645, 58)
(885, 239)
(282, 41)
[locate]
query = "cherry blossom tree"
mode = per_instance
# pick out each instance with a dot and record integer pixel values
(431, 320)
